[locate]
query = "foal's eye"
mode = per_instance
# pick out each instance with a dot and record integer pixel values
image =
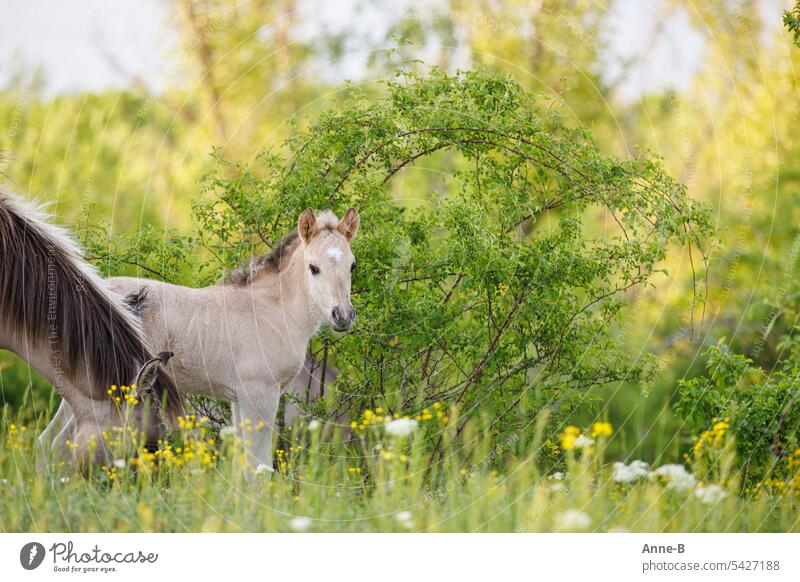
(314, 269)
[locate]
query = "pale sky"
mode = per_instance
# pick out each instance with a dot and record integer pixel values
(86, 45)
(70, 40)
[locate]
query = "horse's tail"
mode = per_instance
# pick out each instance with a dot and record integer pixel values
(50, 295)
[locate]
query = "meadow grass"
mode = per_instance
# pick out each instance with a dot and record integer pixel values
(424, 475)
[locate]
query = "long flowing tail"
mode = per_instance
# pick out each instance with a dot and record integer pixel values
(51, 295)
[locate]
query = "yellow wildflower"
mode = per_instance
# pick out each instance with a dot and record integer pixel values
(602, 429)
(567, 438)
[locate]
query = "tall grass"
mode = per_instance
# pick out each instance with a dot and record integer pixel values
(366, 479)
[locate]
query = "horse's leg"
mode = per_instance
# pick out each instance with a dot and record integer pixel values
(54, 426)
(236, 416)
(46, 440)
(259, 405)
(88, 445)
(59, 449)
(66, 428)
(67, 433)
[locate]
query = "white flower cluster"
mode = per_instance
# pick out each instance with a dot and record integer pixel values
(677, 477)
(710, 493)
(263, 469)
(623, 473)
(405, 519)
(557, 477)
(573, 520)
(583, 442)
(300, 523)
(401, 427)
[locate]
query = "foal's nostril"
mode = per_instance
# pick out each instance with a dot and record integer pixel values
(335, 314)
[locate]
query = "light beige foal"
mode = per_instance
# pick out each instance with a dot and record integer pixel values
(246, 339)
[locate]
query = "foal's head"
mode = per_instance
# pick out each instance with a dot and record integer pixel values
(329, 263)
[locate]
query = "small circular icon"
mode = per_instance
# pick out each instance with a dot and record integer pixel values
(31, 555)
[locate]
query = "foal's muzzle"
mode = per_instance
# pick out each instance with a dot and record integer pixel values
(342, 318)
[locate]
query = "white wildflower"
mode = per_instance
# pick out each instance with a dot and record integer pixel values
(623, 473)
(573, 520)
(120, 463)
(556, 487)
(678, 478)
(314, 425)
(64, 479)
(228, 431)
(405, 518)
(710, 493)
(401, 427)
(300, 523)
(262, 468)
(557, 476)
(3, 481)
(583, 442)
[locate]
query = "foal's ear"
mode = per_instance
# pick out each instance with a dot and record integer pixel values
(348, 225)
(306, 225)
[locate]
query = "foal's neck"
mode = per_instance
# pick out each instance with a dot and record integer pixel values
(293, 296)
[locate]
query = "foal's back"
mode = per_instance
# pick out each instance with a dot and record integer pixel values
(219, 335)
(187, 322)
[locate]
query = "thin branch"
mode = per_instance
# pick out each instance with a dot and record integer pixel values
(158, 274)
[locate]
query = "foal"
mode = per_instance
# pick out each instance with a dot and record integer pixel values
(245, 340)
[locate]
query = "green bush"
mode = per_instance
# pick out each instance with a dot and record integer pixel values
(761, 408)
(497, 290)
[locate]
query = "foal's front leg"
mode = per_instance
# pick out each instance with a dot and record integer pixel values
(258, 404)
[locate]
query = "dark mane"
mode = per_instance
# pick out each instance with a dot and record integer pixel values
(49, 294)
(271, 262)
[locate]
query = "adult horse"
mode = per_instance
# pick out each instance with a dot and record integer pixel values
(61, 318)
